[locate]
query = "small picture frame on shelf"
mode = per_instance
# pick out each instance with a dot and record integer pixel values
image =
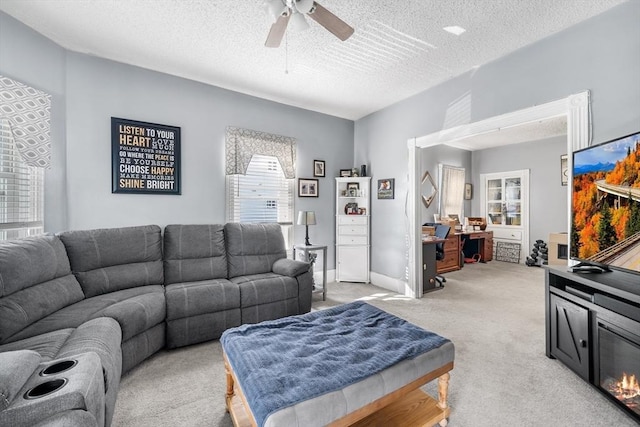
(307, 187)
(351, 209)
(345, 173)
(318, 168)
(353, 186)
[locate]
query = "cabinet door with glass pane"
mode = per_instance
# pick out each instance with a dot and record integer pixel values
(504, 203)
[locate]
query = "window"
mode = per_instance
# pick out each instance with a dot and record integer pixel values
(451, 191)
(21, 191)
(260, 169)
(263, 194)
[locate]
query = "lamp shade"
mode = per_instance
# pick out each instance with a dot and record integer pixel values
(306, 218)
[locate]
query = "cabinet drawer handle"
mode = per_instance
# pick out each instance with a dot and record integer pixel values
(583, 343)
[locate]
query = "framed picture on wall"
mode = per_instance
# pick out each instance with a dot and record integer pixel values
(318, 168)
(385, 188)
(145, 157)
(307, 187)
(564, 170)
(468, 191)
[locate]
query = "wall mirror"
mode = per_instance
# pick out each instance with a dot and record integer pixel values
(451, 201)
(428, 189)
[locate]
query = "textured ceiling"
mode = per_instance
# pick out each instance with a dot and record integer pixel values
(399, 48)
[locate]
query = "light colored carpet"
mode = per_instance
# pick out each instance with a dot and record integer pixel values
(493, 313)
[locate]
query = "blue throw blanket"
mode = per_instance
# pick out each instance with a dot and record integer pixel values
(286, 361)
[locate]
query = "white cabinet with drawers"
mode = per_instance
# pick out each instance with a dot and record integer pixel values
(353, 229)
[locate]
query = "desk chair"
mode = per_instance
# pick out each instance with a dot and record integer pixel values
(442, 231)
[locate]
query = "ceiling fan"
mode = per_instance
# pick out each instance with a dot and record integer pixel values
(285, 11)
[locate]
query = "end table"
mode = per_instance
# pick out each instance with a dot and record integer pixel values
(313, 248)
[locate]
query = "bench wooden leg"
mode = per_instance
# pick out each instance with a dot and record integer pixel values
(443, 391)
(229, 394)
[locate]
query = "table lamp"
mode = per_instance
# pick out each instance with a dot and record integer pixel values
(306, 218)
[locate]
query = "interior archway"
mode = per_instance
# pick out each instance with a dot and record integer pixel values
(574, 108)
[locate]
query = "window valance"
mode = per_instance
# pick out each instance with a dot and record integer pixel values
(242, 144)
(28, 112)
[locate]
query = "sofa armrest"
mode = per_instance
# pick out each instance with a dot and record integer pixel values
(289, 267)
(16, 367)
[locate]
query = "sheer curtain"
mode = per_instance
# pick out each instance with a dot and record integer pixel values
(452, 191)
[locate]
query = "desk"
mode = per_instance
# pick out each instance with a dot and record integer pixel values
(429, 264)
(478, 242)
(314, 248)
(474, 242)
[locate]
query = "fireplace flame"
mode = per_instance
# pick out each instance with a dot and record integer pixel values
(628, 387)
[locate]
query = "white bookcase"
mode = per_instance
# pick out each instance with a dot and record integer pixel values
(353, 213)
(504, 202)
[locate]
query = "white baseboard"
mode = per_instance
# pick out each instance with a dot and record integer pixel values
(380, 280)
(389, 283)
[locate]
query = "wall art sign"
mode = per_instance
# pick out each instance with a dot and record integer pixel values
(145, 157)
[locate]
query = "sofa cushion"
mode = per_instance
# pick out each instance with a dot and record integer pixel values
(136, 309)
(107, 260)
(253, 248)
(193, 253)
(101, 336)
(70, 418)
(289, 267)
(265, 288)
(16, 367)
(194, 298)
(35, 281)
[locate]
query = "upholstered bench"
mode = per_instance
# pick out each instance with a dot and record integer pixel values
(353, 364)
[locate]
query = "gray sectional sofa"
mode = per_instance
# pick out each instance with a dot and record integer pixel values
(80, 308)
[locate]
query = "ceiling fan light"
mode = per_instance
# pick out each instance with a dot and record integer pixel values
(304, 6)
(275, 8)
(298, 22)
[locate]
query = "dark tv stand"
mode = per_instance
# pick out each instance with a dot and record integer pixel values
(579, 309)
(584, 267)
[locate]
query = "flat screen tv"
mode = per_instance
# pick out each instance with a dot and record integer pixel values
(605, 205)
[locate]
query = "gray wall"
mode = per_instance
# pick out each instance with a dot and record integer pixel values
(92, 90)
(28, 57)
(601, 55)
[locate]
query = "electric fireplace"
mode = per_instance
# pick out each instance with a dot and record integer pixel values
(617, 366)
(593, 327)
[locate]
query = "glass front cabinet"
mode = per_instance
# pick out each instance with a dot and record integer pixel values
(504, 203)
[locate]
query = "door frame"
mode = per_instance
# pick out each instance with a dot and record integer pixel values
(575, 107)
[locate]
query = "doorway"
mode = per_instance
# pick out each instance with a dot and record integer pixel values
(575, 109)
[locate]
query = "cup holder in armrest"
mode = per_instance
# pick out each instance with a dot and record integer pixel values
(58, 367)
(45, 388)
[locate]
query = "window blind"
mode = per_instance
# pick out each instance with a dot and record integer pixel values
(263, 194)
(21, 191)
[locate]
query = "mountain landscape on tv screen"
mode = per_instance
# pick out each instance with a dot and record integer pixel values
(598, 167)
(606, 210)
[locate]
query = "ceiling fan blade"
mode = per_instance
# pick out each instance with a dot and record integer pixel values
(331, 22)
(277, 31)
